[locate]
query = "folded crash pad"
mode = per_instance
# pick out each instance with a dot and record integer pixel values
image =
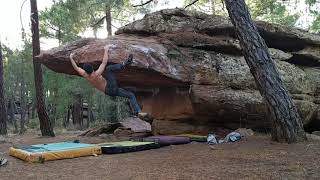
(168, 140)
(193, 137)
(126, 146)
(54, 151)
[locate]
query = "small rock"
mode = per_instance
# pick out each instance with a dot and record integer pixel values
(279, 55)
(136, 125)
(245, 132)
(121, 132)
(316, 133)
(313, 137)
(2, 140)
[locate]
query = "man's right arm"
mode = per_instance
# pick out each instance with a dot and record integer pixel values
(78, 69)
(104, 60)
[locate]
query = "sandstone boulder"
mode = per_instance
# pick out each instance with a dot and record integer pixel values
(189, 72)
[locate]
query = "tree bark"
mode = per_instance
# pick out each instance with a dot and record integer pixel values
(213, 7)
(33, 109)
(3, 114)
(11, 112)
(66, 121)
(108, 20)
(22, 107)
(53, 107)
(118, 109)
(45, 125)
(28, 106)
(8, 110)
(77, 116)
(286, 122)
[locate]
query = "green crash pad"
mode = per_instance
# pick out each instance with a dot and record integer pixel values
(194, 137)
(126, 146)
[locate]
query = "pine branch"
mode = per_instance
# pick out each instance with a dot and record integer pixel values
(142, 3)
(115, 26)
(98, 22)
(191, 4)
(223, 5)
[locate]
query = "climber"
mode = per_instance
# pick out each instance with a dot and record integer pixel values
(107, 83)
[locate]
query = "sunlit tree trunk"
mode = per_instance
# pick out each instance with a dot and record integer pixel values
(286, 122)
(108, 20)
(213, 9)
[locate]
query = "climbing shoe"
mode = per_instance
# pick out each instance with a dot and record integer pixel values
(129, 60)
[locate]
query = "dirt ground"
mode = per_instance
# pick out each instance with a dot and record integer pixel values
(252, 158)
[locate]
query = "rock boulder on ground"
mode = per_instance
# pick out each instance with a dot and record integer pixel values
(189, 72)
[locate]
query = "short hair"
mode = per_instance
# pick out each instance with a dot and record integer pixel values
(88, 68)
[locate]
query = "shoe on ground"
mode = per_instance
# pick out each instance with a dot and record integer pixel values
(3, 162)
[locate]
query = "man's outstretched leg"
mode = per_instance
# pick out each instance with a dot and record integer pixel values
(133, 102)
(112, 84)
(113, 89)
(132, 98)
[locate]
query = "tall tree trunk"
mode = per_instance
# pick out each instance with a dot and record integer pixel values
(59, 36)
(89, 114)
(286, 122)
(54, 105)
(213, 7)
(33, 109)
(3, 114)
(11, 112)
(113, 110)
(22, 107)
(118, 109)
(77, 116)
(28, 105)
(108, 20)
(95, 31)
(66, 119)
(8, 110)
(45, 125)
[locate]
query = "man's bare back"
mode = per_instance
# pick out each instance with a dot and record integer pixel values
(97, 81)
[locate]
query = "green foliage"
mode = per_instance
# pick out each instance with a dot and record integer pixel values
(34, 123)
(215, 7)
(311, 2)
(63, 21)
(314, 8)
(272, 11)
(18, 71)
(316, 24)
(121, 10)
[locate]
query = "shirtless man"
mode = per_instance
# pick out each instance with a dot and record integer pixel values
(107, 83)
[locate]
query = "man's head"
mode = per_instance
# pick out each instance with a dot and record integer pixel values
(88, 68)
